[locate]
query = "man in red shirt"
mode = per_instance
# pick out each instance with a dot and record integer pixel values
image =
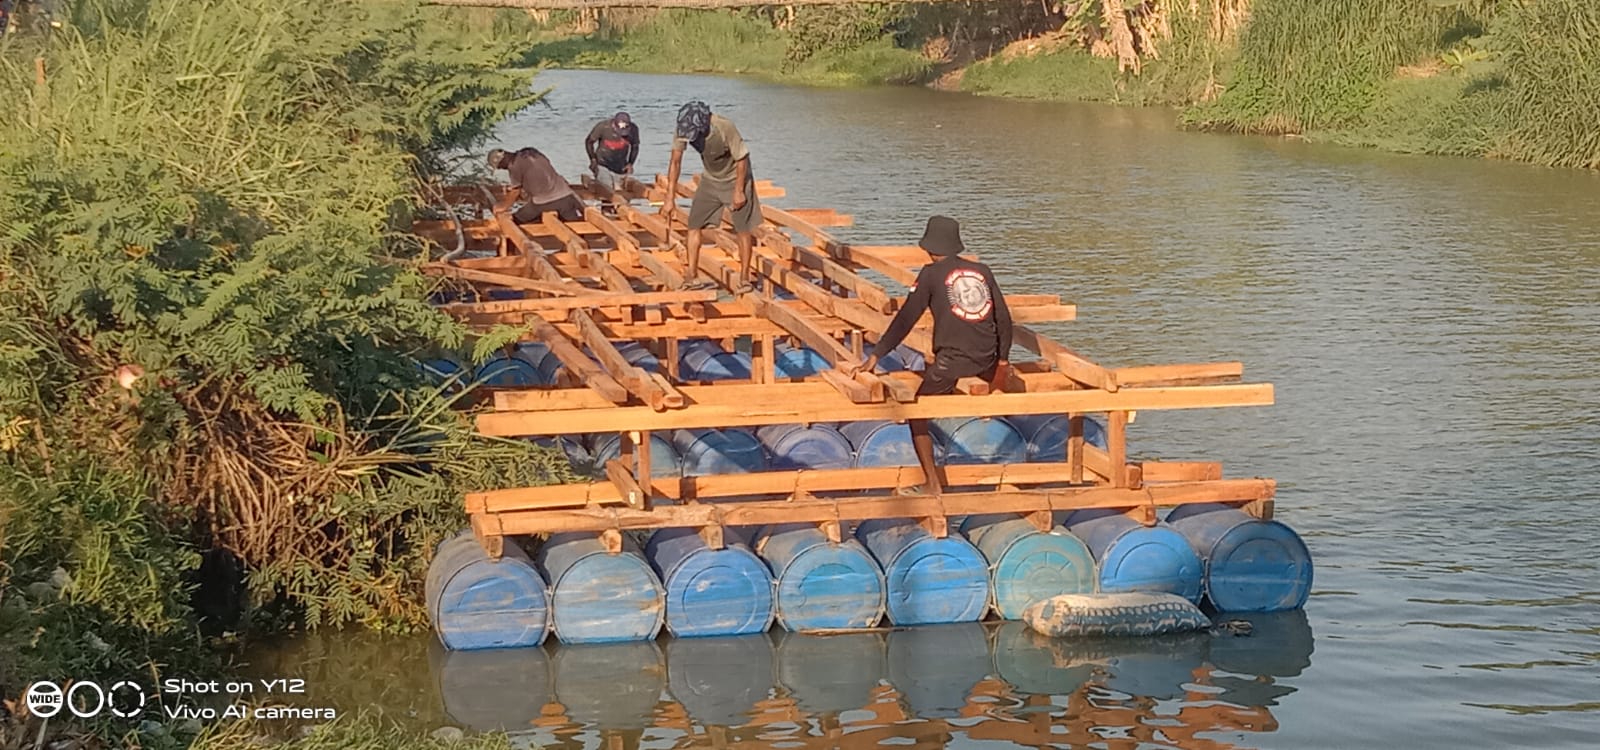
(971, 328)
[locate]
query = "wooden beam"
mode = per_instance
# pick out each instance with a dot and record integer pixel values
(1072, 364)
(579, 249)
(592, 298)
(627, 487)
(873, 295)
(776, 407)
(580, 365)
(636, 380)
(1117, 444)
(1203, 373)
(562, 289)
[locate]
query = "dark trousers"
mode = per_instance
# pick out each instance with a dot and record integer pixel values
(568, 208)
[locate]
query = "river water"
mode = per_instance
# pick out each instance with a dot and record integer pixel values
(1433, 330)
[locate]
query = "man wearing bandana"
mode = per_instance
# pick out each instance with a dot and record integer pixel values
(971, 328)
(725, 183)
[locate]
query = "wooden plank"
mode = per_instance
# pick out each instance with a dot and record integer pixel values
(1072, 364)
(1203, 373)
(627, 487)
(822, 217)
(576, 362)
(873, 295)
(775, 407)
(593, 298)
(1179, 471)
(579, 249)
(825, 510)
(636, 380)
(1117, 444)
(830, 349)
(564, 289)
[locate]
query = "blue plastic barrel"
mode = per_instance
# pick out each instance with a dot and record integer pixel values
(663, 455)
(478, 603)
(927, 580)
(903, 358)
(821, 584)
(1251, 565)
(501, 371)
(1280, 645)
(707, 451)
(1135, 557)
(542, 359)
(1037, 664)
(1026, 565)
(705, 360)
(610, 685)
(437, 371)
(935, 667)
(794, 446)
(497, 295)
(979, 440)
(710, 591)
(492, 691)
(1158, 668)
(639, 356)
(1046, 435)
(598, 597)
(828, 674)
(719, 680)
(880, 443)
(802, 362)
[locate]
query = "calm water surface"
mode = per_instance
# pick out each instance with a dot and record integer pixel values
(1433, 330)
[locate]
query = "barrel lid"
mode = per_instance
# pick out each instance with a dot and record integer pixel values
(719, 592)
(830, 586)
(1151, 558)
(937, 581)
(1258, 566)
(605, 598)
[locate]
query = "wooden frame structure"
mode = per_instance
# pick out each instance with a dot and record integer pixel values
(615, 276)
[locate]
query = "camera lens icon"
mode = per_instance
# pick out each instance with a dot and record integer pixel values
(44, 699)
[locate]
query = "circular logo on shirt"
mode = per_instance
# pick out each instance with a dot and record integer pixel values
(968, 293)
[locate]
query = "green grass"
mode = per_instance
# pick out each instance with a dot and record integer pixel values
(1071, 75)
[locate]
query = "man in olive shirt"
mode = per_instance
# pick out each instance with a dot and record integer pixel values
(612, 145)
(724, 183)
(535, 180)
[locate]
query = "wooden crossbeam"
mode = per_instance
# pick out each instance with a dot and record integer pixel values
(852, 509)
(564, 289)
(636, 380)
(579, 249)
(575, 361)
(777, 406)
(1203, 373)
(872, 294)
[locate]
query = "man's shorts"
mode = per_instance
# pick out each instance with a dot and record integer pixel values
(608, 179)
(943, 372)
(706, 209)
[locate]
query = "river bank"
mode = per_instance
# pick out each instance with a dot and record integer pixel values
(1464, 77)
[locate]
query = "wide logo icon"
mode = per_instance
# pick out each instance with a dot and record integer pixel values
(44, 699)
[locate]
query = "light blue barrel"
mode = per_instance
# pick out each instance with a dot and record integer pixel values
(801, 362)
(610, 685)
(719, 680)
(821, 585)
(729, 451)
(597, 597)
(794, 446)
(492, 691)
(934, 667)
(1135, 557)
(828, 674)
(1026, 565)
(501, 371)
(927, 580)
(478, 603)
(710, 591)
(979, 440)
(663, 454)
(1251, 565)
(1037, 664)
(880, 443)
(705, 360)
(1046, 435)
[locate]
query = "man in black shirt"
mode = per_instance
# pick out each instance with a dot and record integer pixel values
(971, 327)
(612, 145)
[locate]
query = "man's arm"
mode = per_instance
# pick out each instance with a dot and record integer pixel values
(741, 175)
(633, 149)
(1003, 331)
(670, 205)
(588, 147)
(907, 317)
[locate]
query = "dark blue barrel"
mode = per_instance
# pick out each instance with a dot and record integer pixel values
(501, 371)
(542, 359)
(1026, 565)
(440, 370)
(802, 362)
(1251, 565)
(478, 603)
(794, 446)
(903, 358)
(598, 597)
(1046, 435)
(821, 585)
(610, 685)
(927, 580)
(710, 591)
(663, 454)
(730, 451)
(1135, 557)
(705, 360)
(880, 443)
(828, 674)
(719, 680)
(639, 356)
(935, 667)
(979, 440)
(498, 295)
(1156, 668)
(492, 691)
(1037, 664)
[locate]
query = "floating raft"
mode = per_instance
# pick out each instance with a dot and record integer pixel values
(721, 422)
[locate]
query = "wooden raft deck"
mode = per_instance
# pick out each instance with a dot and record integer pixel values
(614, 277)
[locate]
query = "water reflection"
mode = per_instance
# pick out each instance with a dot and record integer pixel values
(926, 686)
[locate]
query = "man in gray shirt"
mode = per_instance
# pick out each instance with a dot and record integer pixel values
(537, 183)
(725, 182)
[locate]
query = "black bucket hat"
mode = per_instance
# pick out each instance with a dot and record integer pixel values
(942, 237)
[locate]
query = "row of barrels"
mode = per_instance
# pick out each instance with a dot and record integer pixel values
(889, 569)
(532, 364)
(936, 670)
